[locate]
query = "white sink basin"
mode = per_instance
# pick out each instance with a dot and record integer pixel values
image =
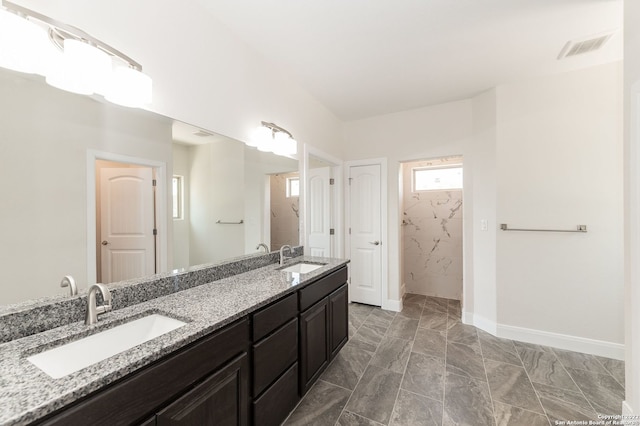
(78, 354)
(302, 268)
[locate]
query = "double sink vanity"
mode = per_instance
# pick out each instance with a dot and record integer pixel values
(234, 343)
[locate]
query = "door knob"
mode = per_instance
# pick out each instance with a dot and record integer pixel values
(375, 243)
(105, 242)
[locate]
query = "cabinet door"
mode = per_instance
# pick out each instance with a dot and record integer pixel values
(222, 399)
(338, 320)
(314, 343)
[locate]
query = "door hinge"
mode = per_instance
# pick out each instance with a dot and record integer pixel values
(155, 231)
(332, 231)
(349, 231)
(154, 182)
(350, 179)
(332, 181)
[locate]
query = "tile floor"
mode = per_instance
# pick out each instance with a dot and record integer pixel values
(422, 366)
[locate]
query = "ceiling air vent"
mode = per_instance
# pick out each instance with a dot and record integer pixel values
(202, 133)
(573, 48)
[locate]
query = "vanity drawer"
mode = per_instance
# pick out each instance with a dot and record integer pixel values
(277, 402)
(321, 288)
(273, 355)
(273, 316)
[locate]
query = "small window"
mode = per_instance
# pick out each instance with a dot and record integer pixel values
(178, 197)
(437, 179)
(293, 187)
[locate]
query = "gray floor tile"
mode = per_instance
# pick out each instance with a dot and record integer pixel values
(465, 361)
(467, 402)
(375, 395)
(562, 404)
(360, 309)
(434, 320)
(359, 342)
(416, 299)
(404, 328)
(507, 415)
(520, 346)
(463, 334)
(351, 419)
(510, 384)
(321, 406)
(347, 367)
(544, 367)
(603, 392)
(412, 409)
(498, 349)
(614, 367)
(411, 311)
(381, 316)
(579, 361)
(454, 308)
(372, 334)
(436, 304)
(430, 342)
(392, 354)
(425, 376)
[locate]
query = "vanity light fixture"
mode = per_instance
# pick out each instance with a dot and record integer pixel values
(69, 58)
(270, 137)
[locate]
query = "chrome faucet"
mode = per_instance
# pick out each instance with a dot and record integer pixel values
(264, 246)
(68, 281)
(92, 309)
(282, 256)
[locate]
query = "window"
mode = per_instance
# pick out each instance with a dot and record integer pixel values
(429, 179)
(293, 187)
(177, 187)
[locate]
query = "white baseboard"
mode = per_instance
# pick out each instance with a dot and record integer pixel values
(561, 341)
(626, 409)
(485, 324)
(392, 305)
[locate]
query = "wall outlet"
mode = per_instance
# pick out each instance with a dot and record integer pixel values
(484, 225)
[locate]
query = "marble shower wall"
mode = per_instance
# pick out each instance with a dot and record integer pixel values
(432, 237)
(285, 216)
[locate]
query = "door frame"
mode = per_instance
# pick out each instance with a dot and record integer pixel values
(384, 223)
(160, 169)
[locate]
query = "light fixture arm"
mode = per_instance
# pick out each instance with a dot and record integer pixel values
(275, 128)
(59, 31)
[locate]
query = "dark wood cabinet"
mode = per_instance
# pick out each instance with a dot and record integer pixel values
(314, 343)
(253, 371)
(222, 399)
(338, 320)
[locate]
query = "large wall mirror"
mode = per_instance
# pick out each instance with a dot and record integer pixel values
(65, 159)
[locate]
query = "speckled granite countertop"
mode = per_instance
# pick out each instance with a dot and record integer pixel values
(27, 393)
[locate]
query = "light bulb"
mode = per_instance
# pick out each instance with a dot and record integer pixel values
(82, 69)
(259, 134)
(23, 44)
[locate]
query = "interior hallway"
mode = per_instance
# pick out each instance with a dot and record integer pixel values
(422, 366)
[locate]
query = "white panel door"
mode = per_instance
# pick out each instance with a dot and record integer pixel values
(126, 223)
(365, 223)
(319, 219)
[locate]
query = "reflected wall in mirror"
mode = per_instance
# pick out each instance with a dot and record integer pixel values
(46, 192)
(231, 194)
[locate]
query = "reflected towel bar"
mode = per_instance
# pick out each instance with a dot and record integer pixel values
(580, 228)
(231, 223)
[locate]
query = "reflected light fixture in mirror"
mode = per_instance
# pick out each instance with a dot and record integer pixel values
(69, 58)
(270, 137)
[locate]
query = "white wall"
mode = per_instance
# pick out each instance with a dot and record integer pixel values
(559, 158)
(45, 134)
(216, 193)
(438, 131)
(480, 298)
(181, 227)
(202, 73)
(632, 206)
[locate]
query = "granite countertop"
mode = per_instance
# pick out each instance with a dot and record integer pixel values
(27, 393)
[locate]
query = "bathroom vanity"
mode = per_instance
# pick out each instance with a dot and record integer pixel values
(252, 345)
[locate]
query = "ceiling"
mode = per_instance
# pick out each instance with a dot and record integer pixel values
(362, 58)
